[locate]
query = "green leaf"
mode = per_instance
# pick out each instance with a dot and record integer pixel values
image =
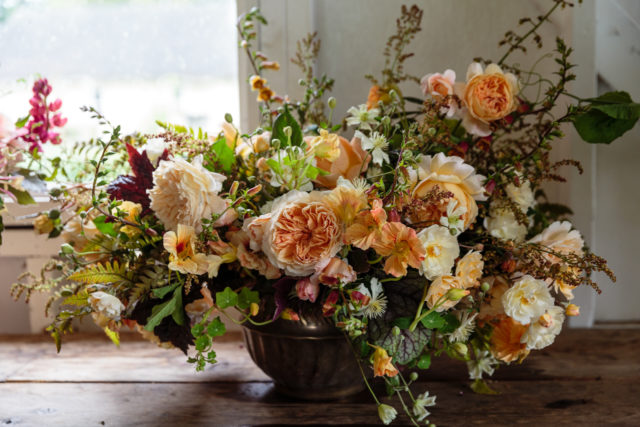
(451, 323)
(160, 311)
(23, 197)
(178, 312)
(113, 336)
(203, 342)
(224, 155)
(425, 361)
(197, 330)
(481, 387)
(226, 298)
(402, 322)
(274, 165)
(246, 297)
(163, 291)
(216, 328)
(433, 320)
(23, 121)
(106, 228)
(80, 300)
(403, 298)
(610, 116)
(283, 120)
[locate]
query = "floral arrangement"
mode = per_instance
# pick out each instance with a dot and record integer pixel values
(426, 233)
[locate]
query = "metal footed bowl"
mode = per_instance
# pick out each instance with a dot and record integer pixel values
(308, 359)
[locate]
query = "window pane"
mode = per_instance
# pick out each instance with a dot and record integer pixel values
(135, 61)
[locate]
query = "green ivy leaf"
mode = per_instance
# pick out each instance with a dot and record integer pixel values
(226, 298)
(283, 120)
(216, 328)
(106, 228)
(246, 297)
(197, 330)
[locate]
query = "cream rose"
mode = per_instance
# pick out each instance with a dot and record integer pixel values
(106, 304)
(527, 299)
(542, 333)
(300, 232)
(441, 251)
(184, 193)
(560, 238)
(522, 195)
(469, 269)
(451, 174)
(502, 224)
(439, 288)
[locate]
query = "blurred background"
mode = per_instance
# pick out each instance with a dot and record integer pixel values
(138, 61)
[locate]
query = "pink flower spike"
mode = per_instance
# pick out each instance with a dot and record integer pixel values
(53, 137)
(55, 105)
(58, 120)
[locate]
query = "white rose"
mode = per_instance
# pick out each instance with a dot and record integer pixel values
(502, 224)
(184, 193)
(522, 196)
(155, 148)
(542, 333)
(560, 238)
(441, 251)
(106, 304)
(527, 299)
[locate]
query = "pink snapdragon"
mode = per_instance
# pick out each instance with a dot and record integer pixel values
(44, 117)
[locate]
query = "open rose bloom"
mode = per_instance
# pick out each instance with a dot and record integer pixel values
(419, 236)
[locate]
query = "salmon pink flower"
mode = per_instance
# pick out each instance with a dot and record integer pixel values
(382, 363)
(402, 247)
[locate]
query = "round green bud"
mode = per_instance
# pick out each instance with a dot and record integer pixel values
(228, 118)
(332, 102)
(413, 376)
(485, 287)
(67, 249)
(54, 214)
(395, 331)
(287, 131)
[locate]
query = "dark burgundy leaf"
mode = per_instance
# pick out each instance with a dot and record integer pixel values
(282, 287)
(134, 187)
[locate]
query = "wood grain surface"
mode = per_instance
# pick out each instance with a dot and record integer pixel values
(588, 377)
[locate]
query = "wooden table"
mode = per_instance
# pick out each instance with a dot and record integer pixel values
(588, 377)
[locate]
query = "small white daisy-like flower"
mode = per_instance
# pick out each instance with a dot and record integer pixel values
(377, 300)
(362, 117)
(376, 144)
(467, 323)
(453, 218)
(421, 404)
(484, 363)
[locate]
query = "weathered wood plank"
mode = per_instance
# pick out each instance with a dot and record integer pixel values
(577, 354)
(93, 358)
(611, 402)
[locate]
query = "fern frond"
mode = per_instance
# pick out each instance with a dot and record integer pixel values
(103, 273)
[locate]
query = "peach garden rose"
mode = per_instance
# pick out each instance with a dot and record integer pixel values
(298, 233)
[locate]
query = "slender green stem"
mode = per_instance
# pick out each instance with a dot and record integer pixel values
(406, 409)
(419, 316)
(364, 377)
(531, 31)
